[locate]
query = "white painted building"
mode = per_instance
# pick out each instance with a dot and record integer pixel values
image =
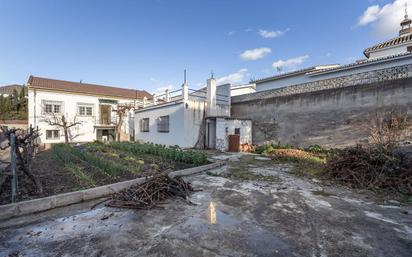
(89, 104)
(191, 118)
(392, 53)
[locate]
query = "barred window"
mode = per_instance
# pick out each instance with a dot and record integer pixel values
(144, 125)
(84, 109)
(163, 124)
(52, 107)
(52, 134)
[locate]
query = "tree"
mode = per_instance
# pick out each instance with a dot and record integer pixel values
(62, 122)
(121, 110)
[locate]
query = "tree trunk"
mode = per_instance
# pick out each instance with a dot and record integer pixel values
(66, 136)
(35, 179)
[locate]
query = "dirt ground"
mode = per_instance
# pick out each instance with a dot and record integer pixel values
(55, 179)
(282, 216)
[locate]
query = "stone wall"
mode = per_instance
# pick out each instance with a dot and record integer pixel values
(334, 116)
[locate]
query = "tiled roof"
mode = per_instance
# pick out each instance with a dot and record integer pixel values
(77, 87)
(9, 89)
(392, 42)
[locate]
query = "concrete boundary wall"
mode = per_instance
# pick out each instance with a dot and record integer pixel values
(336, 117)
(42, 204)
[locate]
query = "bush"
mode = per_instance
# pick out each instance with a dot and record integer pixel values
(174, 154)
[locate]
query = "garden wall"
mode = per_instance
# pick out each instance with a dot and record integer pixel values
(334, 117)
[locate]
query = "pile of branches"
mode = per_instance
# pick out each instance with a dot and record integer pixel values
(152, 192)
(371, 168)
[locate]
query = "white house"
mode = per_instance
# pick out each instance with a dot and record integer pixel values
(192, 118)
(89, 104)
(395, 52)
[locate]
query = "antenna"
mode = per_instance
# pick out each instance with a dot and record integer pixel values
(212, 74)
(184, 76)
(406, 10)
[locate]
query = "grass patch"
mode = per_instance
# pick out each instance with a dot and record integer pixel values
(322, 193)
(77, 171)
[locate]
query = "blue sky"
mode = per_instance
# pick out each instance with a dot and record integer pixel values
(147, 44)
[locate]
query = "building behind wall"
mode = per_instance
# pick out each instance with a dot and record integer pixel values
(91, 105)
(331, 106)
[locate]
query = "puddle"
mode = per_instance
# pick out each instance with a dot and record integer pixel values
(216, 216)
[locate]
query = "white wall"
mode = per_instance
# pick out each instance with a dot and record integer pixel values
(226, 127)
(400, 49)
(304, 78)
(243, 89)
(85, 132)
(176, 133)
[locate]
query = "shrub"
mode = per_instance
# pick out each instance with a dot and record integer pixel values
(175, 154)
(372, 168)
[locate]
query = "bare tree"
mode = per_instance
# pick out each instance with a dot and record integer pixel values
(62, 122)
(388, 128)
(121, 112)
(25, 147)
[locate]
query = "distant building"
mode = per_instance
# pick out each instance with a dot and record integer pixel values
(89, 104)
(396, 52)
(192, 118)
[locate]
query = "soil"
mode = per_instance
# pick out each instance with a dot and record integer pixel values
(56, 179)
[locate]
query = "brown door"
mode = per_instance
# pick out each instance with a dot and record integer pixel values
(234, 143)
(105, 114)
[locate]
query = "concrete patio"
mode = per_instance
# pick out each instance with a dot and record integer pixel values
(291, 216)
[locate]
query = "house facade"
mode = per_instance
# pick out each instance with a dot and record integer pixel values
(89, 105)
(191, 118)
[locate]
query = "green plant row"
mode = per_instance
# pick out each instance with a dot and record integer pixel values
(70, 154)
(175, 154)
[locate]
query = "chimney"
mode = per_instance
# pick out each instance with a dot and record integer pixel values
(144, 101)
(185, 92)
(211, 97)
(167, 95)
(154, 99)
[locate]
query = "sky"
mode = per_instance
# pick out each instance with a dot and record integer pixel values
(147, 44)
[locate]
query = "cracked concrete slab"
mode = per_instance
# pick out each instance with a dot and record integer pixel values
(287, 217)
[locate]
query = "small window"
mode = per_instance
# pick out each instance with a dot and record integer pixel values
(84, 110)
(52, 107)
(409, 49)
(163, 124)
(237, 131)
(144, 125)
(52, 134)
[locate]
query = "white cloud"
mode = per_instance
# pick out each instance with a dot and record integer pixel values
(236, 77)
(384, 19)
(255, 54)
(272, 34)
(291, 63)
(369, 15)
(231, 33)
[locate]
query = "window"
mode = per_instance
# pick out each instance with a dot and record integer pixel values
(163, 124)
(84, 109)
(409, 49)
(144, 125)
(52, 107)
(237, 131)
(52, 134)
